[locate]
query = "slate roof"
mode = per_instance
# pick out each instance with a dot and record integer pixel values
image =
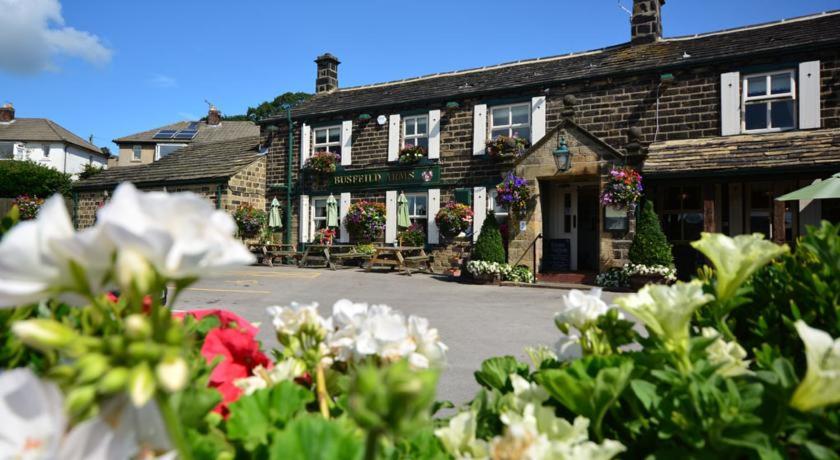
(756, 153)
(208, 161)
(224, 131)
(806, 32)
(42, 129)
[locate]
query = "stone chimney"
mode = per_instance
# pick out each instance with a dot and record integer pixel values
(327, 79)
(7, 113)
(214, 117)
(646, 24)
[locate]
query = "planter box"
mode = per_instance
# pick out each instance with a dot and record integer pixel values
(639, 281)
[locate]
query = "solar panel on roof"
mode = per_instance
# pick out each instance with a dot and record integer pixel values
(193, 126)
(164, 134)
(185, 134)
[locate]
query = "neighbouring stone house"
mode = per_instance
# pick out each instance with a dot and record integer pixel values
(151, 145)
(46, 143)
(719, 124)
(228, 173)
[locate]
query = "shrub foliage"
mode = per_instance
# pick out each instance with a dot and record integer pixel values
(30, 178)
(489, 246)
(650, 246)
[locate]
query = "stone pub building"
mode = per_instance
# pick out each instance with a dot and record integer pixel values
(719, 124)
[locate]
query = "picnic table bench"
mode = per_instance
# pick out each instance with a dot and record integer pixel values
(328, 255)
(268, 253)
(401, 257)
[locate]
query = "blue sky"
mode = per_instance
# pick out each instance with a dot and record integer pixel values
(112, 68)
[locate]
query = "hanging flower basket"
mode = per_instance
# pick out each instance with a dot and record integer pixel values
(249, 220)
(453, 219)
(322, 162)
(365, 221)
(514, 194)
(411, 154)
(623, 189)
(506, 147)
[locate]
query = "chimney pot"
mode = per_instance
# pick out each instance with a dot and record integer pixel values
(7, 113)
(646, 24)
(327, 77)
(214, 117)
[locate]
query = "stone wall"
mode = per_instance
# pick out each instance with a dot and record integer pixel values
(450, 255)
(247, 186)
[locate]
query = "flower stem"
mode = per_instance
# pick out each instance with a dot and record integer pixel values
(371, 445)
(173, 427)
(321, 388)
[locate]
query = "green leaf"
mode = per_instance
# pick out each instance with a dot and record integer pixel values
(495, 372)
(646, 393)
(314, 438)
(820, 452)
(253, 417)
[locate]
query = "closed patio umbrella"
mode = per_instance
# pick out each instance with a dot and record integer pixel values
(826, 189)
(402, 212)
(274, 220)
(332, 212)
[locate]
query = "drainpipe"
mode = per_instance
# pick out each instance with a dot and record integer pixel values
(75, 198)
(219, 196)
(287, 235)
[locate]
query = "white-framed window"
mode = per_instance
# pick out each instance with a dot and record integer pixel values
(137, 153)
(163, 150)
(416, 131)
(46, 149)
(769, 101)
(511, 120)
(318, 215)
(499, 210)
(418, 209)
(7, 150)
(327, 138)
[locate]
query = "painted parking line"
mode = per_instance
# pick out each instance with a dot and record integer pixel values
(243, 291)
(280, 275)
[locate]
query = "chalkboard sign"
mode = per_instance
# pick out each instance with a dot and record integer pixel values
(557, 255)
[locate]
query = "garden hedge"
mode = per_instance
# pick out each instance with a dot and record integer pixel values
(30, 178)
(489, 246)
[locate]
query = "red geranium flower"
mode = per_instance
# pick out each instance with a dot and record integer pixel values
(240, 354)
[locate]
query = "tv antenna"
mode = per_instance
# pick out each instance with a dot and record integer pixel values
(624, 8)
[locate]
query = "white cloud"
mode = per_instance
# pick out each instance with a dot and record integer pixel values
(33, 33)
(162, 81)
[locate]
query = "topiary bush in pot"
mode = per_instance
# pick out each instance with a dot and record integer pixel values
(489, 246)
(650, 247)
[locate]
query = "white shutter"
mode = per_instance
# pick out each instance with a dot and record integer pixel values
(432, 209)
(390, 216)
(305, 134)
(730, 104)
(809, 95)
(479, 210)
(479, 129)
(346, 142)
(394, 137)
(434, 134)
(537, 119)
(303, 219)
(343, 208)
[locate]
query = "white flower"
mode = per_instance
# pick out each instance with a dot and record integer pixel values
(736, 259)
(34, 424)
(290, 320)
(730, 356)
(172, 373)
(821, 385)
(667, 310)
(288, 369)
(526, 392)
(180, 234)
(429, 350)
(458, 437)
(581, 309)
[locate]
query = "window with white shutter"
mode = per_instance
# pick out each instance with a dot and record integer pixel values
(479, 129)
(346, 142)
(479, 210)
(390, 216)
(730, 103)
(434, 207)
(769, 102)
(393, 137)
(303, 219)
(809, 95)
(537, 119)
(343, 208)
(305, 148)
(434, 134)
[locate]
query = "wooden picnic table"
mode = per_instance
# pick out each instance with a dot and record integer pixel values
(269, 252)
(326, 255)
(400, 257)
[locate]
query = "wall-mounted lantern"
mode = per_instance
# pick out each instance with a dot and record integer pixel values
(365, 117)
(562, 156)
(452, 105)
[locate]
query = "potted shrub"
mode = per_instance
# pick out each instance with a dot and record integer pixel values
(322, 162)
(650, 252)
(489, 246)
(514, 193)
(411, 154)
(453, 219)
(484, 272)
(507, 147)
(365, 221)
(249, 220)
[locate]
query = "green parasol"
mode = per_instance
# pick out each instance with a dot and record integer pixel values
(274, 220)
(402, 212)
(826, 189)
(332, 212)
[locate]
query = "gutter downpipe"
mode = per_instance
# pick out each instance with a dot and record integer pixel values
(219, 195)
(287, 235)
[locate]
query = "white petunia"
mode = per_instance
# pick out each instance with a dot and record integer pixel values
(34, 424)
(180, 234)
(458, 437)
(429, 350)
(581, 309)
(730, 356)
(290, 320)
(821, 385)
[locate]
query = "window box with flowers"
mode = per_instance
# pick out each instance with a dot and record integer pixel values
(412, 154)
(514, 194)
(453, 219)
(507, 147)
(365, 221)
(322, 162)
(249, 220)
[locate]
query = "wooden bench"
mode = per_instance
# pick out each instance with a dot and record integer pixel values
(410, 261)
(280, 251)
